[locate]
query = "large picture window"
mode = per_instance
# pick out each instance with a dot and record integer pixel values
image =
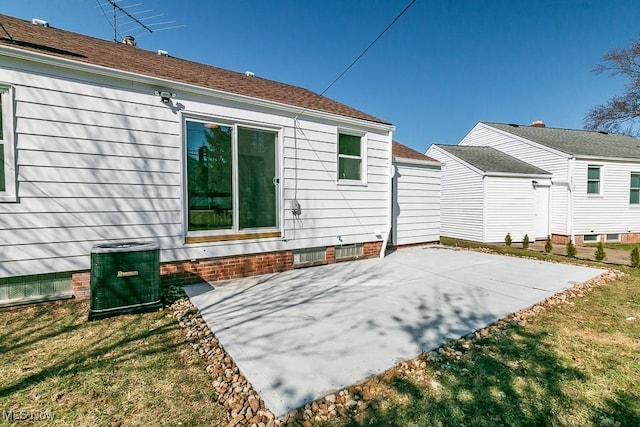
(593, 180)
(231, 174)
(349, 157)
(634, 196)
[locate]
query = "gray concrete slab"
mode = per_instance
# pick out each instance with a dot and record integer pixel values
(301, 334)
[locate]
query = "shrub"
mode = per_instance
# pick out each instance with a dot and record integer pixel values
(571, 249)
(600, 254)
(507, 239)
(525, 241)
(635, 257)
(548, 247)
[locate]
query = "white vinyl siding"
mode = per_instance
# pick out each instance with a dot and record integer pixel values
(510, 208)
(461, 198)
(100, 159)
(537, 155)
(416, 203)
(610, 212)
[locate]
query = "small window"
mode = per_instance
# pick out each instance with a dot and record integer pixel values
(7, 166)
(349, 157)
(593, 180)
(612, 237)
(590, 238)
(349, 251)
(634, 194)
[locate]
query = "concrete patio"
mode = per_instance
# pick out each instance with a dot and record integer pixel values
(301, 334)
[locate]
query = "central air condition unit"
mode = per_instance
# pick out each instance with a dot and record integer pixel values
(125, 278)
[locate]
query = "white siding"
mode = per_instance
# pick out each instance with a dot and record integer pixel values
(510, 209)
(610, 211)
(101, 159)
(461, 198)
(537, 155)
(416, 204)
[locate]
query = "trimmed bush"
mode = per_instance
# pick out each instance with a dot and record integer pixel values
(600, 254)
(507, 240)
(571, 249)
(635, 257)
(525, 241)
(548, 246)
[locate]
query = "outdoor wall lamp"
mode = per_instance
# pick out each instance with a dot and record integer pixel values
(165, 96)
(534, 183)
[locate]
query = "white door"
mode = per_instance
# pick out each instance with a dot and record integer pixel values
(542, 212)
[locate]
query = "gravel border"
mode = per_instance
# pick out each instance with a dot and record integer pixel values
(246, 408)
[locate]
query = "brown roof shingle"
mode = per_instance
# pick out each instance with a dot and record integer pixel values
(400, 150)
(77, 47)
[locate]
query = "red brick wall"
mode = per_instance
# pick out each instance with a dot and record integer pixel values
(559, 239)
(630, 238)
(624, 238)
(224, 268)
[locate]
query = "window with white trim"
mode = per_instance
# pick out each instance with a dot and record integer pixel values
(7, 158)
(593, 179)
(350, 157)
(231, 179)
(634, 192)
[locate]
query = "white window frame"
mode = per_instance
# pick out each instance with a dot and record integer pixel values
(592, 238)
(600, 169)
(631, 189)
(234, 233)
(362, 157)
(8, 144)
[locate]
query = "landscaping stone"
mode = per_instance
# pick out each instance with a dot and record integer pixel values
(246, 408)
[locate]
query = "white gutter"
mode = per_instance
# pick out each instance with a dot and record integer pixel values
(407, 161)
(518, 175)
(184, 87)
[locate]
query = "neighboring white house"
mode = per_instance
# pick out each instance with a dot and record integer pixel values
(487, 194)
(229, 173)
(416, 197)
(595, 178)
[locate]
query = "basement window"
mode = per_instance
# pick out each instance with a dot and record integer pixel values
(349, 251)
(590, 238)
(612, 237)
(309, 256)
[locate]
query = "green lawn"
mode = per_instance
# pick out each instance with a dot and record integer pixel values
(127, 370)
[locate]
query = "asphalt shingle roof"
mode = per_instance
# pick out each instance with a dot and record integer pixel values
(488, 159)
(24, 35)
(402, 151)
(577, 142)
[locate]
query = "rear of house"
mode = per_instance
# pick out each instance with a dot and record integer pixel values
(229, 173)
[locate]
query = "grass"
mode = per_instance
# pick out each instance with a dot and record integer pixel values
(622, 246)
(576, 364)
(127, 370)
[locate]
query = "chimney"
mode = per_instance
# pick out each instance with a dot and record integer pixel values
(129, 40)
(538, 124)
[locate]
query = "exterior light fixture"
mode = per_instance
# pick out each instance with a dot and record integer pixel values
(165, 96)
(534, 183)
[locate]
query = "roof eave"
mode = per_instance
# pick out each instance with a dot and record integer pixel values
(409, 161)
(518, 175)
(607, 159)
(186, 87)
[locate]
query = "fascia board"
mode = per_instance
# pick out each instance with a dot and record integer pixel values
(418, 162)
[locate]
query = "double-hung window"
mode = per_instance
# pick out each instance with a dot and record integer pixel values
(351, 157)
(231, 181)
(7, 159)
(593, 179)
(634, 193)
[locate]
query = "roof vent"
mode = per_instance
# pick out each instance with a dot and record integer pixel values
(163, 52)
(514, 125)
(538, 124)
(129, 40)
(603, 132)
(40, 22)
(249, 74)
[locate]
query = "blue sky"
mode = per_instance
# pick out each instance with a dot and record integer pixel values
(444, 66)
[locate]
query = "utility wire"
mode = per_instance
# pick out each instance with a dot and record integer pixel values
(369, 47)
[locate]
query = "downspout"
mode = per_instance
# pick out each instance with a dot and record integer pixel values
(385, 240)
(571, 186)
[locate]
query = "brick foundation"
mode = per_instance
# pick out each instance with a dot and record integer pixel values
(561, 239)
(223, 268)
(630, 238)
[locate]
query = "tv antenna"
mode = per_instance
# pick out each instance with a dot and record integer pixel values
(135, 17)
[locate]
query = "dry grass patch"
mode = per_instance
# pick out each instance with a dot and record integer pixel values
(127, 370)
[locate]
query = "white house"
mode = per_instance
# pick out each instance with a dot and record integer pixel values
(593, 192)
(229, 173)
(416, 197)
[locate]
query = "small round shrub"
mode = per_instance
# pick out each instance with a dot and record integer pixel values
(571, 249)
(525, 241)
(548, 246)
(600, 254)
(508, 240)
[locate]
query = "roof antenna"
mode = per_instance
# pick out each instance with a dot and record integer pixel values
(139, 22)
